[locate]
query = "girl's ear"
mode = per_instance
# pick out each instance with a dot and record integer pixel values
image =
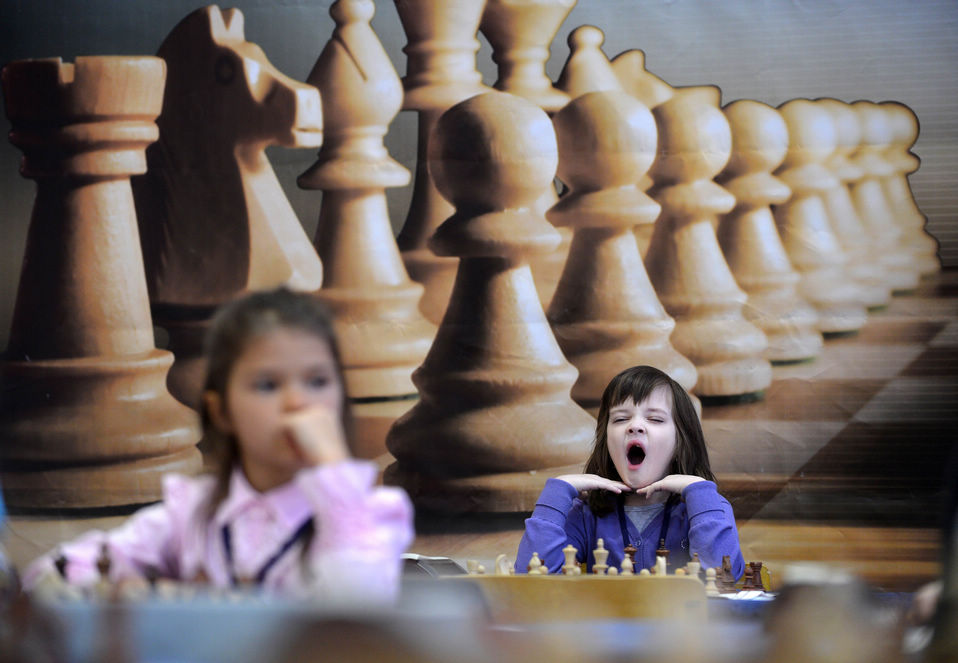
(217, 411)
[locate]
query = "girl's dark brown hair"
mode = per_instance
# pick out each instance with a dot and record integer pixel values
(636, 383)
(234, 326)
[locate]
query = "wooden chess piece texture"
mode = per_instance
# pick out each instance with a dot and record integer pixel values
(86, 418)
(587, 69)
(495, 414)
(382, 335)
(629, 68)
(803, 222)
(915, 238)
(214, 220)
(440, 71)
(520, 33)
(872, 202)
(855, 240)
(605, 313)
(684, 260)
(749, 238)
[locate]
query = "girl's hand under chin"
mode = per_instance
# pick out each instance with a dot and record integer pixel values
(583, 483)
(672, 483)
(316, 433)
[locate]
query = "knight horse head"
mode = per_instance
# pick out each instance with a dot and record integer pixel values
(214, 220)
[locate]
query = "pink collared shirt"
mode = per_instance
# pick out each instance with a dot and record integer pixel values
(361, 530)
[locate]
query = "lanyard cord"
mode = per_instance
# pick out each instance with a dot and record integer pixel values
(261, 574)
(663, 531)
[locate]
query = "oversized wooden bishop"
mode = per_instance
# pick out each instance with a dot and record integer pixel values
(383, 337)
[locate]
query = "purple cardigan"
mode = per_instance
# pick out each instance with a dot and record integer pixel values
(702, 522)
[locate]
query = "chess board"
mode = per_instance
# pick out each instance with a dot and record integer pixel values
(846, 460)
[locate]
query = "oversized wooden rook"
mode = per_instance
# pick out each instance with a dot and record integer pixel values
(855, 241)
(803, 222)
(214, 220)
(904, 133)
(749, 238)
(605, 314)
(440, 71)
(495, 414)
(520, 33)
(383, 337)
(872, 202)
(86, 419)
(684, 260)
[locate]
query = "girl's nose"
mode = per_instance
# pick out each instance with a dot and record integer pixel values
(293, 398)
(635, 426)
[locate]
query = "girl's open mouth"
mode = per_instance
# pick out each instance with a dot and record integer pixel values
(635, 454)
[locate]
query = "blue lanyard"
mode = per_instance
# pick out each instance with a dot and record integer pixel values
(261, 574)
(663, 531)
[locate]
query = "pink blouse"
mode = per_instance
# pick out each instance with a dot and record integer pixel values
(360, 531)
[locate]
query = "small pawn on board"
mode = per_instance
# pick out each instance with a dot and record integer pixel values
(536, 567)
(711, 585)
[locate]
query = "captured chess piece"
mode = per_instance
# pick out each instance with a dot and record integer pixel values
(915, 238)
(605, 313)
(803, 222)
(440, 71)
(749, 238)
(382, 335)
(856, 242)
(86, 418)
(684, 259)
(872, 202)
(495, 413)
(214, 220)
